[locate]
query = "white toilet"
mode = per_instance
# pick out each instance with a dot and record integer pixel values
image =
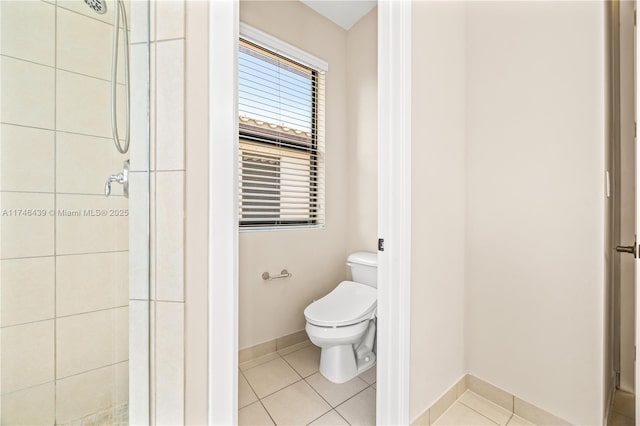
(343, 323)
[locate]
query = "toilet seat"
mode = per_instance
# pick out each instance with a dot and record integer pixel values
(347, 304)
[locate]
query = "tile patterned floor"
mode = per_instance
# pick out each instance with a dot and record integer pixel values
(285, 388)
(623, 409)
(473, 410)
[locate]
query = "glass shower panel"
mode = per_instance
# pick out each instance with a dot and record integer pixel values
(74, 263)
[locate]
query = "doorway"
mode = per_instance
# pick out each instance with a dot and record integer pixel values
(624, 208)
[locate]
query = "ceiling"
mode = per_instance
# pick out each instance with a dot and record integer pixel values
(343, 13)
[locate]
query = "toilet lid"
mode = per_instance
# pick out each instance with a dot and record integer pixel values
(348, 303)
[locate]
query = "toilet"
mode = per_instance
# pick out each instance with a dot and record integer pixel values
(343, 323)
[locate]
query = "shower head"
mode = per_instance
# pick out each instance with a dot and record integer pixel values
(99, 6)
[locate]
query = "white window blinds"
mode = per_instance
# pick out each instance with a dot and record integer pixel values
(281, 134)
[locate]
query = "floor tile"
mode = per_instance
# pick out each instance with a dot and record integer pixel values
(461, 415)
(369, 376)
(297, 404)
(246, 395)
(254, 415)
(361, 409)
(258, 361)
(485, 407)
(293, 348)
(270, 377)
(334, 393)
(305, 361)
(624, 403)
(519, 421)
(332, 418)
(620, 420)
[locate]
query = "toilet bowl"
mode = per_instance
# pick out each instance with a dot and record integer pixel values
(343, 323)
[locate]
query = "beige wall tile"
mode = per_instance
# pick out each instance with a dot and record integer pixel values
(88, 341)
(442, 404)
(89, 234)
(27, 93)
(169, 19)
(169, 361)
(485, 407)
(92, 158)
(460, 414)
(83, 105)
(423, 419)
(170, 106)
(84, 45)
(27, 30)
(139, 235)
(89, 282)
(82, 8)
(169, 234)
(27, 290)
(26, 236)
(291, 339)
(77, 397)
(140, 107)
(142, 21)
(536, 415)
(461, 386)
(27, 159)
(490, 392)
(30, 407)
(139, 362)
(252, 353)
(27, 355)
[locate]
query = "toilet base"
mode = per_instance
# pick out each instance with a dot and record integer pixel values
(338, 363)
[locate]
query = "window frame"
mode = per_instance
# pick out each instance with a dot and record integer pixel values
(273, 141)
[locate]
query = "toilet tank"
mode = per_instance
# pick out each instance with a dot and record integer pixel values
(364, 267)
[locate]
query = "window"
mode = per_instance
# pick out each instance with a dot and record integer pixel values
(281, 140)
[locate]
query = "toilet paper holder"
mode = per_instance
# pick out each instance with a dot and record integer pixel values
(283, 274)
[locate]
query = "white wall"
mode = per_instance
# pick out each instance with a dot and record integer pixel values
(316, 257)
(535, 202)
(438, 201)
(362, 133)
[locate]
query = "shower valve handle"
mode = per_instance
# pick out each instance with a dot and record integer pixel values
(122, 178)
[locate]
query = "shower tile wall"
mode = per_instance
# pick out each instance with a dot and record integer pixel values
(165, 297)
(63, 279)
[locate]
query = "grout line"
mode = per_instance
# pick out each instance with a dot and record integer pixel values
(266, 411)
(29, 387)
(55, 67)
(29, 322)
(323, 414)
(92, 312)
(55, 222)
(7, 123)
(55, 317)
(56, 193)
(170, 39)
(62, 255)
(87, 16)
(473, 409)
(93, 369)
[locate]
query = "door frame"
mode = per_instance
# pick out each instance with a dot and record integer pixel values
(394, 212)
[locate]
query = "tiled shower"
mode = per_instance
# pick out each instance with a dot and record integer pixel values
(64, 246)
